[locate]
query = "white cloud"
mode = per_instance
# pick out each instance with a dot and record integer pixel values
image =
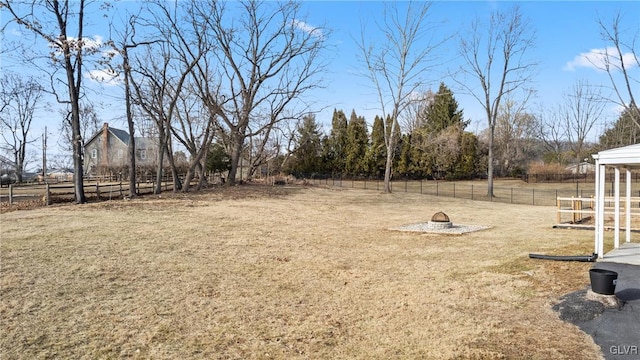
(599, 58)
(110, 53)
(93, 44)
(106, 77)
(312, 30)
(88, 44)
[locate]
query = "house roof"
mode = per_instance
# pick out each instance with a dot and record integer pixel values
(629, 156)
(119, 134)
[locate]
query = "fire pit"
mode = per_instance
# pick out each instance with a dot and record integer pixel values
(440, 220)
(440, 223)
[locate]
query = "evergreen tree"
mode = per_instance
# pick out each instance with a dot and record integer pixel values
(405, 164)
(327, 159)
(338, 141)
(437, 143)
(443, 111)
(218, 160)
(467, 164)
(623, 132)
(356, 147)
(376, 154)
(308, 150)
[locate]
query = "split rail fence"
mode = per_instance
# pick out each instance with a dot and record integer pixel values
(577, 211)
(64, 192)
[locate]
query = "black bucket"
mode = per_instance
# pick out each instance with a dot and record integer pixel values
(603, 281)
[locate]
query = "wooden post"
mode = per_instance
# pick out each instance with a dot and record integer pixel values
(47, 194)
(580, 210)
(10, 194)
(98, 190)
(559, 215)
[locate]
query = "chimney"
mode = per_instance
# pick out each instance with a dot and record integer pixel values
(105, 147)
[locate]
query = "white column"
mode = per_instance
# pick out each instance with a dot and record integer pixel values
(600, 210)
(596, 214)
(616, 204)
(628, 208)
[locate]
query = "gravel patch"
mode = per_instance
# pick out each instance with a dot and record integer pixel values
(455, 229)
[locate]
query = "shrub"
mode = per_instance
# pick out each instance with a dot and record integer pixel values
(547, 172)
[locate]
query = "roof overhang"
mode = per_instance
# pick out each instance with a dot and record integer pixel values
(627, 156)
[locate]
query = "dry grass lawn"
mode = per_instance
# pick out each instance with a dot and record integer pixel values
(257, 272)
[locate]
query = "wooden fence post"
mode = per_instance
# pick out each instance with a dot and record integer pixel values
(559, 215)
(98, 190)
(47, 195)
(10, 194)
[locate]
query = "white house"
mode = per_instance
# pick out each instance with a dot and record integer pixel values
(582, 168)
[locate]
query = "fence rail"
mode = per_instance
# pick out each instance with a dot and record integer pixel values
(61, 192)
(582, 210)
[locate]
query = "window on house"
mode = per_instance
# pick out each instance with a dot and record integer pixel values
(120, 154)
(94, 153)
(142, 154)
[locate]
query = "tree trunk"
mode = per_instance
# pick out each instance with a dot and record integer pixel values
(177, 184)
(490, 164)
(161, 150)
(187, 179)
(387, 171)
(202, 180)
(78, 179)
(20, 160)
(131, 147)
(236, 153)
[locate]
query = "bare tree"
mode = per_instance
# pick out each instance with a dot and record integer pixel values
(195, 130)
(620, 57)
(19, 98)
(268, 58)
(200, 100)
(495, 56)
(551, 131)
(582, 108)
(53, 21)
(415, 115)
(398, 66)
(157, 88)
(123, 42)
(514, 134)
(89, 125)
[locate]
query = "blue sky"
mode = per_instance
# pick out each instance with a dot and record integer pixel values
(566, 32)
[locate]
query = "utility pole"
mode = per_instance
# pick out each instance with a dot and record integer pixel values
(44, 155)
